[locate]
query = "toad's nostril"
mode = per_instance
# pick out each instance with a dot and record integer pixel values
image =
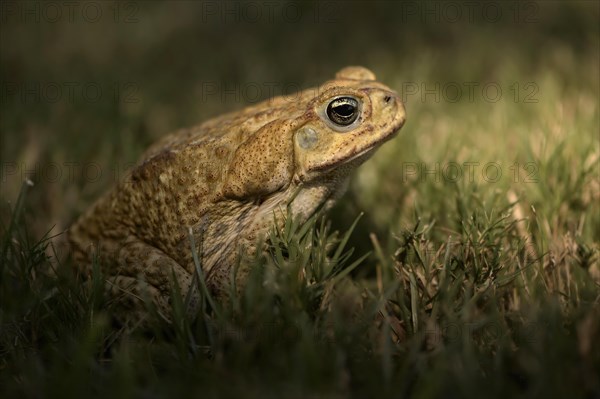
(387, 99)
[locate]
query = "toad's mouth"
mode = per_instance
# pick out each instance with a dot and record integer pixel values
(361, 156)
(364, 154)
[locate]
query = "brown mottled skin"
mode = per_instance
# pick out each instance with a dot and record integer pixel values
(224, 181)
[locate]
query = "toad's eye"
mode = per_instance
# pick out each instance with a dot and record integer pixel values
(343, 111)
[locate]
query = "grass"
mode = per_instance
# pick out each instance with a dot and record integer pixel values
(482, 313)
(416, 285)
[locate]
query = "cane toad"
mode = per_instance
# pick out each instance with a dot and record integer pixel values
(223, 180)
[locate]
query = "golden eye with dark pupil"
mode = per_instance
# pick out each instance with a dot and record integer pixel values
(343, 111)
